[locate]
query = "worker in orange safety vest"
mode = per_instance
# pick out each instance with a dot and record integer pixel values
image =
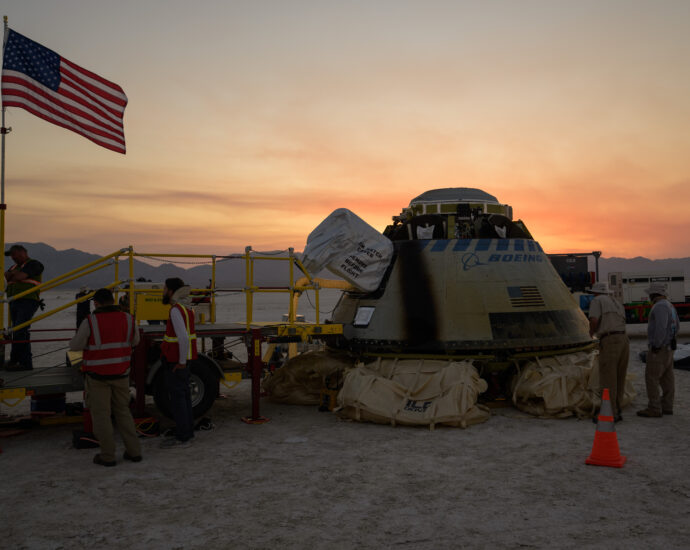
(177, 351)
(107, 336)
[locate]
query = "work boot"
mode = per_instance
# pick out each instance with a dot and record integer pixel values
(98, 460)
(131, 458)
(174, 443)
(649, 413)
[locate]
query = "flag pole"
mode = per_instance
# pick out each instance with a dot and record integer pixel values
(3, 206)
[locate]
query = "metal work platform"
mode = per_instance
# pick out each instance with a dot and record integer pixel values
(144, 300)
(40, 381)
(66, 378)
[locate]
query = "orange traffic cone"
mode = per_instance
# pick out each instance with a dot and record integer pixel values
(605, 451)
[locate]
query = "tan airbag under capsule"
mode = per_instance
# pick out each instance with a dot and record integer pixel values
(414, 392)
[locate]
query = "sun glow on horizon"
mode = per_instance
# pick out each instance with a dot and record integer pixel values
(574, 114)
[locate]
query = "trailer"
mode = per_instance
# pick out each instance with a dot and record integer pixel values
(209, 371)
(629, 288)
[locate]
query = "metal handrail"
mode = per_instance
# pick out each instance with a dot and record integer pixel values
(56, 281)
(250, 256)
(54, 284)
(56, 310)
(250, 288)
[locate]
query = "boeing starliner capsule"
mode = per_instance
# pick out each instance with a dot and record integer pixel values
(465, 280)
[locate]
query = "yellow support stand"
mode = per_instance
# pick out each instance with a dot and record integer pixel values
(231, 379)
(12, 393)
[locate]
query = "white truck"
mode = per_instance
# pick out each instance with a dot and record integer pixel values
(630, 287)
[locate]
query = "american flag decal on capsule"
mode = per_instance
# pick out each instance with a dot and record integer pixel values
(525, 296)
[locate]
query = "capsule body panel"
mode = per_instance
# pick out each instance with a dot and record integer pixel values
(464, 296)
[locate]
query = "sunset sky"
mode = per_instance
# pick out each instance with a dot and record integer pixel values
(250, 121)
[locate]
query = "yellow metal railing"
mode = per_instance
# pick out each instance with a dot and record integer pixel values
(72, 275)
(128, 286)
(293, 290)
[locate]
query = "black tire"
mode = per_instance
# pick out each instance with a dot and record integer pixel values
(204, 380)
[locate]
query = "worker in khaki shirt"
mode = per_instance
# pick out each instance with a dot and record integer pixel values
(607, 322)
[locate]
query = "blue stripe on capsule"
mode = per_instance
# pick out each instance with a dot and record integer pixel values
(483, 244)
(461, 245)
(440, 246)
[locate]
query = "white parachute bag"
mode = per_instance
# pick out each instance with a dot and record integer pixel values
(350, 248)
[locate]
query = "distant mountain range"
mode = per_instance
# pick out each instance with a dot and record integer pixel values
(231, 273)
(643, 265)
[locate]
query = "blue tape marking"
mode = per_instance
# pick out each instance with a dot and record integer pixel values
(483, 244)
(461, 245)
(440, 246)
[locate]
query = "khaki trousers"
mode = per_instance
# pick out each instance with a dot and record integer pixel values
(614, 352)
(111, 397)
(659, 372)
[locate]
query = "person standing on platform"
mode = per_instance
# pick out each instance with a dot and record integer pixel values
(24, 275)
(607, 322)
(177, 350)
(107, 337)
(662, 327)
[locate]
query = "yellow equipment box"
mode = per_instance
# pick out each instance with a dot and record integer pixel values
(149, 305)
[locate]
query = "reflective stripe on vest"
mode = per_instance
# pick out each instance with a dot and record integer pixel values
(190, 337)
(109, 357)
(112, 345)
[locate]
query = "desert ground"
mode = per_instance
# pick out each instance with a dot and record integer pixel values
(307, 479)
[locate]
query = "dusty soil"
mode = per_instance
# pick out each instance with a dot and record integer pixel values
(307, 479)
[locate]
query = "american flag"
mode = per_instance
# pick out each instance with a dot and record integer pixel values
(51, 87)
(525, 296)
